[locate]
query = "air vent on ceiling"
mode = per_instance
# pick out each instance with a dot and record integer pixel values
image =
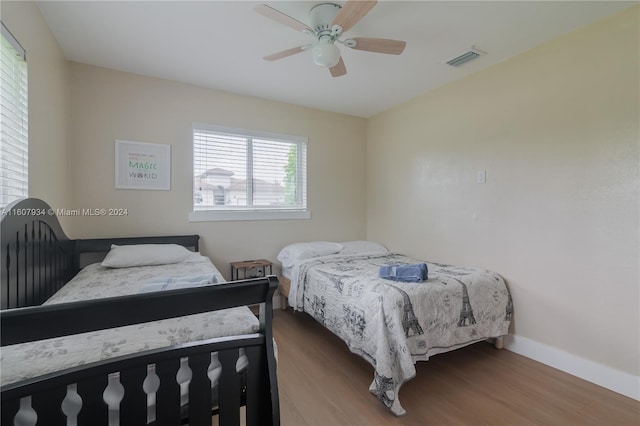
(464, 58)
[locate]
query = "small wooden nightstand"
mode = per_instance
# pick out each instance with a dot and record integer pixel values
(250, 269)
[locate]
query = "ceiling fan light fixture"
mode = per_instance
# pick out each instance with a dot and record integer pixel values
(325, 53)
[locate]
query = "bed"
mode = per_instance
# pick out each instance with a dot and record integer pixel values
(159, 340)
(393, 324)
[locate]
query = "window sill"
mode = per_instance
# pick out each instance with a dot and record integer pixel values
(237, 215)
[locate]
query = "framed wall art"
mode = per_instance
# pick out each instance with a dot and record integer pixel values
(141, 165)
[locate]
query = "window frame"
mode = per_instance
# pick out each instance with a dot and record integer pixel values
(22, 126)
(254, 213)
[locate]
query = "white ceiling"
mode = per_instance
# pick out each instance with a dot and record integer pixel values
(220, 44)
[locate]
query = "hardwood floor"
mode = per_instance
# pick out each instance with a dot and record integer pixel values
(322, 383)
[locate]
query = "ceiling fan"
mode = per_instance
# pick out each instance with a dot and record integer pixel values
(328, 23)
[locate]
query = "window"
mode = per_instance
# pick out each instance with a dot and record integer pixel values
(14, 177)
(248, 175)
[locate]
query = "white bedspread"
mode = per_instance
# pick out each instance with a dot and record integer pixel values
(391, 324)
(33, 359)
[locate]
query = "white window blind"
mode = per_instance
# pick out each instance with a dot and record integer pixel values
(245, 171)
(14, 176)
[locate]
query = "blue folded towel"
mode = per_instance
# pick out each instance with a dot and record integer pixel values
(414, 273)
(173, 283)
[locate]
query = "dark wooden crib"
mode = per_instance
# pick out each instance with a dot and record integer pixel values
(38, 259)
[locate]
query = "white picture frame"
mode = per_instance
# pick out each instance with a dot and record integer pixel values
(142, 165)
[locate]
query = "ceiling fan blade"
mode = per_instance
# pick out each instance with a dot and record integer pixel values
(352, 12)
(379, 45)
(338, 69)
(280, 17)
(285, 53)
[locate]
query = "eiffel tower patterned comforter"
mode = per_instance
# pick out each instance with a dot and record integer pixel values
(393, 324)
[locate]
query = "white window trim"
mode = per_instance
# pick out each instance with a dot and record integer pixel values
(16, 45)
(236, 215)
(247, 213)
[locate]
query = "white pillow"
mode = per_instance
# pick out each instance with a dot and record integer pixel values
(145, 255)
(361, 247)
(294, 253)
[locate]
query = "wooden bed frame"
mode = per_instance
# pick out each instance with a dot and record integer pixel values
(38, 259)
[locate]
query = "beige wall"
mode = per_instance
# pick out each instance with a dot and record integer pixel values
(48, 102)
(109, 105)
(556, 130)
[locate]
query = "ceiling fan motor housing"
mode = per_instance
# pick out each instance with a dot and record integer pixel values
(321, 17)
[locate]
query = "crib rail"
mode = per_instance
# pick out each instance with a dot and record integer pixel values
(63, 319)
(50, 397)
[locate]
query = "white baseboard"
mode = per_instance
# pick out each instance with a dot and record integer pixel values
(607, 377)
